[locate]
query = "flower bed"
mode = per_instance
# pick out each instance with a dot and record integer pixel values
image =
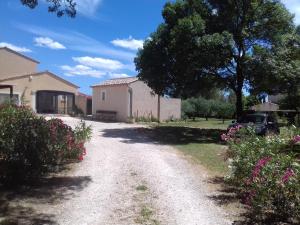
(266, 170)
(30, 145)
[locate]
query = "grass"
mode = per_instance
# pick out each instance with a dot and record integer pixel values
(141, 188)
(145, 217)
(202, 123)
(209, 155)
(199, 139)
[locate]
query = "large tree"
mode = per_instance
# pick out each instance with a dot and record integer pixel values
(281, 69)
(205, 42)
(60, 7)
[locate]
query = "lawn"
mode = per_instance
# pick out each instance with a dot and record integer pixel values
(199, 139)
(202, 123)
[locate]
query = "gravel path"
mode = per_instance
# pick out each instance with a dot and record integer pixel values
(126, 179)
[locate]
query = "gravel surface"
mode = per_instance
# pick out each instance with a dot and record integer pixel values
(125, 179)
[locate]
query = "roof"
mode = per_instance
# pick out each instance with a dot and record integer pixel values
(84, 95)
(40, 73)
(19, 54)
(117, 81)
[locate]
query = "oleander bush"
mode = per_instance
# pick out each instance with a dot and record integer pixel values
(267, 171)
(30, 145)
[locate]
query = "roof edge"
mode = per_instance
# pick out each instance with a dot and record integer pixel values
(106, 85)
(19, 54)
(39, 73)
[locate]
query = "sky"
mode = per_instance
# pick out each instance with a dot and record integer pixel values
(100, 43)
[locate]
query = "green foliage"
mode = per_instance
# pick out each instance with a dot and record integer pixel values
(30, 145)
(22, 144)
(267, 171)
(188, 110)
(60, 7)
(83, 132)
(202, 44)
(145, 119)
(201, 107)
(249, 101)
(281, 69)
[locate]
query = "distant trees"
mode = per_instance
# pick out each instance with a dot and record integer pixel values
(204, 43)
(201, 107)
(60, 7)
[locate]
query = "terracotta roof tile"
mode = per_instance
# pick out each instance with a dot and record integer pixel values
(117, 81)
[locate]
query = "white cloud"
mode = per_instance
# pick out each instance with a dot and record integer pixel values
(129, 43)
(87, 7)
(79, 42)
(48, 42)
(99, 63)
(294, 7)
(81, 70)
(14, 47)
(118, 75)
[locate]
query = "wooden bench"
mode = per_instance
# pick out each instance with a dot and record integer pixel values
(106, 115)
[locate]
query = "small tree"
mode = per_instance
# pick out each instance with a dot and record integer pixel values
(225, 110)
(188, 109)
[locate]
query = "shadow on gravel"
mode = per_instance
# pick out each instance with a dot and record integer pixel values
(17, 203)
(166, 135)
(226, 194)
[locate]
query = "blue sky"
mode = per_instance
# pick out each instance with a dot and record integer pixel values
(100, 43)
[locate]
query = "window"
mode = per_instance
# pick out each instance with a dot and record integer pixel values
(103, 95)
(5, 98)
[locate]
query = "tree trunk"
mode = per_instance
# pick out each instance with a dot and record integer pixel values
(239, 90)
(239, 103)
(158, 108)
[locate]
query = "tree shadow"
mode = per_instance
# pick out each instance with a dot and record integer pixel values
(168, 135)
(226, 193)
(16, 202)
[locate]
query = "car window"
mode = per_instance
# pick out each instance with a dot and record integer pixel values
(252, 119)
(271, 119)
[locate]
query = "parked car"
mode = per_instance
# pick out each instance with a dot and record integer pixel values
(262, 123)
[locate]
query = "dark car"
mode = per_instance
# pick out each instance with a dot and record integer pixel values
(262, 123)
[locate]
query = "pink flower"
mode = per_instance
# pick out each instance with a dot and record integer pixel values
(259, 165)
(288, 173)
(80, 157)
(224, 137)
(296, 139)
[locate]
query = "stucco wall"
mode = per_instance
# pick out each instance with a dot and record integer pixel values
(81, 103)
(116, 100)
(13, 65)
(26, 87)
(144, 104)
(170, 108)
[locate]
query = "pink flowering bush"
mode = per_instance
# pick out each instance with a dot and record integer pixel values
(267, 172)
(30, 145)
(64, 143)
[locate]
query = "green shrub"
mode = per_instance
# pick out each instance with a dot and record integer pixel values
(22, 141)
(267, 171)
(83, 132)
(30, 145)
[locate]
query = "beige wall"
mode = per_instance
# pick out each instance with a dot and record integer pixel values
(81, 103)
(26, 87)
(116, 100)
(144, 104)
(170, 108)
(14, 65)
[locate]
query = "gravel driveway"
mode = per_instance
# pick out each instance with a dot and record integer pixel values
(125, 179)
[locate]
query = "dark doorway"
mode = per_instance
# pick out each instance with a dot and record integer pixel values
(89, 106)
(57, 102)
